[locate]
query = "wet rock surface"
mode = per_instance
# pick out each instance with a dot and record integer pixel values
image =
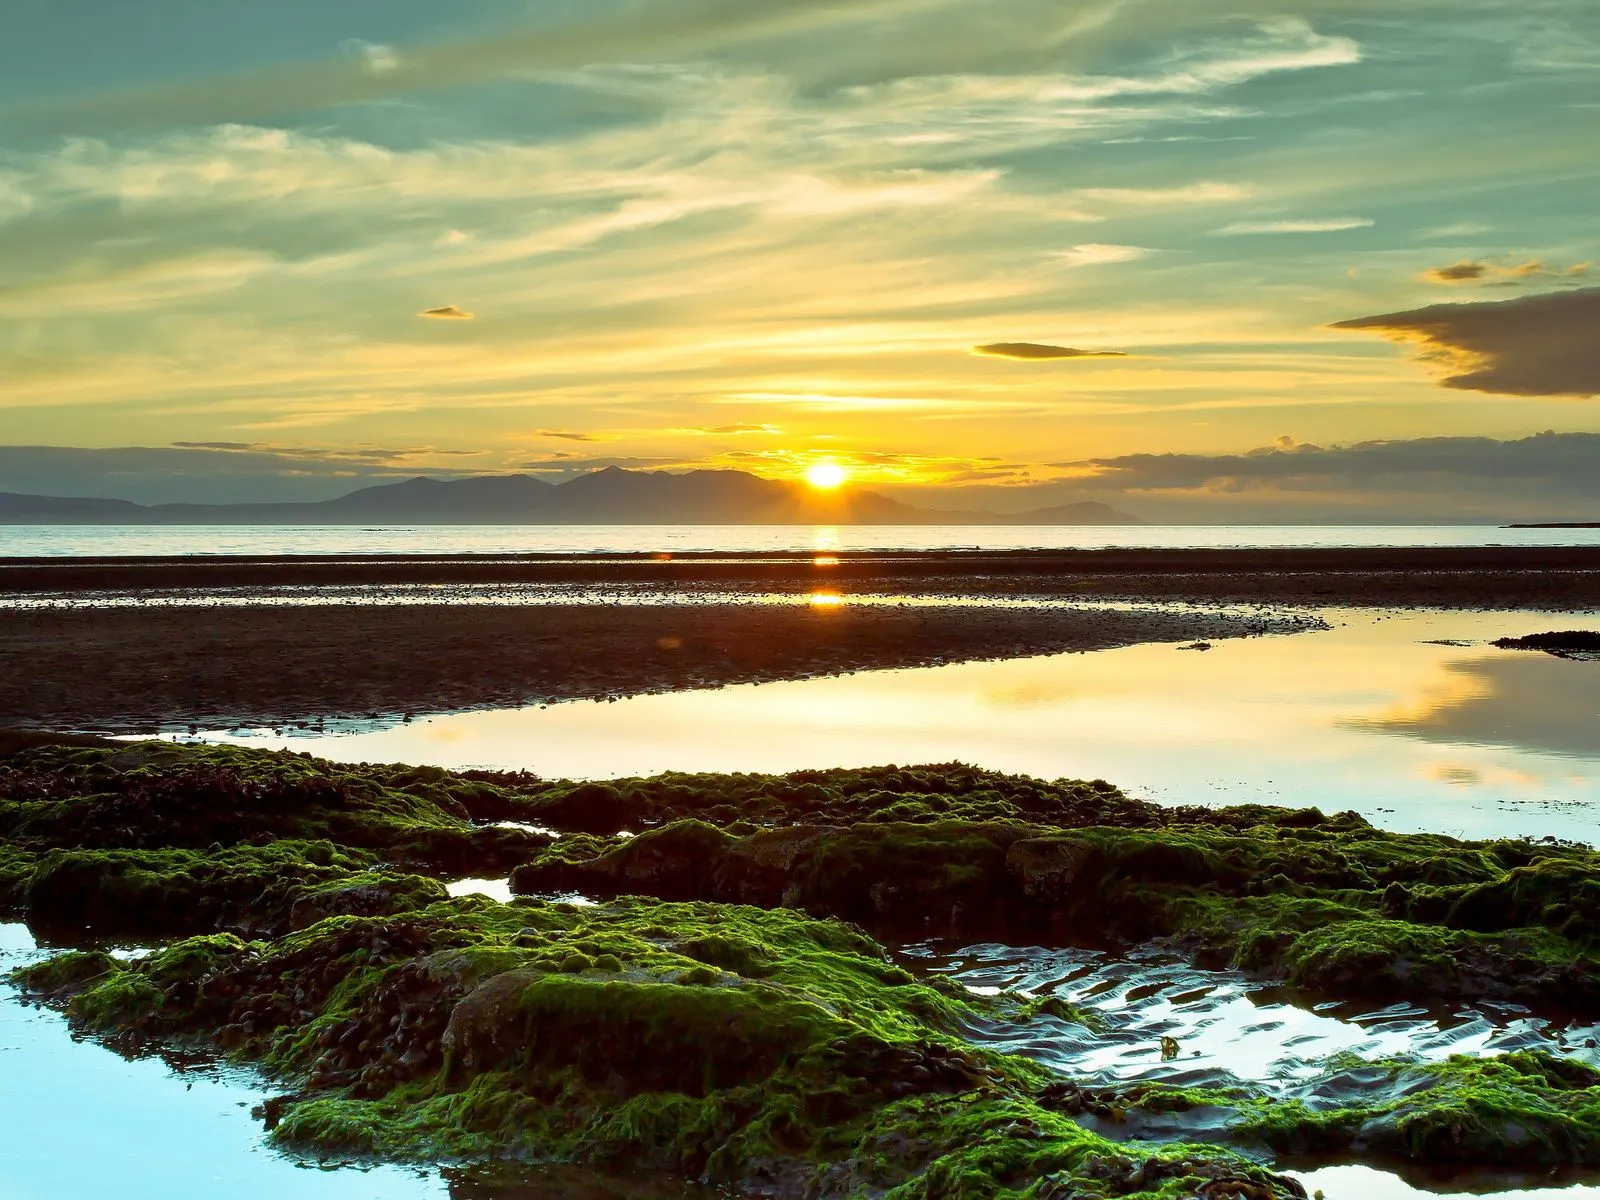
(1581, 645)
(725, 1012)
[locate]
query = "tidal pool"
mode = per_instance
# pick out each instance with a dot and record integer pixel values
(1229, 1028)
(79, 1121)
(1410, 718)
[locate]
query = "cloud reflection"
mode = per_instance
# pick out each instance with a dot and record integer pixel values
(1543, 705)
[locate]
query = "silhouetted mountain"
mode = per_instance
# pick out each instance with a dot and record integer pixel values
(610, 497)
(17, 508)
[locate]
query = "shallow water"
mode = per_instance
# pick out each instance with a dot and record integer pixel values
(100, 541)
(81, 1121)
(1372, 715)
(1356, 1182)
(1229, 1027)
(78, 1121)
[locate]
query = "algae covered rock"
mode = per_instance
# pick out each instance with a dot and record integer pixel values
(1520, 1109)
(725, 1012)
(458, 1030)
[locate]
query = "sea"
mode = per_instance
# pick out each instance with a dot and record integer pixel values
(137, 541)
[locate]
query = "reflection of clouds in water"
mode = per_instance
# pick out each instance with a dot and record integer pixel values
(1462, 775)
(1454, 773)
(1541, 704)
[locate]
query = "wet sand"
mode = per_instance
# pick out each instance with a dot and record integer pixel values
(142, 669)
(135, 645)
(1492, 577)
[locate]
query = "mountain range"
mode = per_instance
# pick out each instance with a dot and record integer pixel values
(613, 496)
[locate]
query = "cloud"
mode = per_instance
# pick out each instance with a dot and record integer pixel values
(1309, 225)
(571, 465)
(448, 313)
(1461, 229)
(645, 34)
(738, 427)
(571, 435)
(222, 472)
(1559, 460)
(1482, 270)
(1205, 192)
(1034, 351)
(1543, 345)
(1094, 254)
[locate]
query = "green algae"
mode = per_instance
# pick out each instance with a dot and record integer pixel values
(155, 795)
(1528, 1108)
(1312, 904)
(453, 1032)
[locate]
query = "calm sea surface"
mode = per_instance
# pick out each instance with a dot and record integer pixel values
(100, 541)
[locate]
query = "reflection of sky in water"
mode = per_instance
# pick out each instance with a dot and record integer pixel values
(1228, 1027)
(1355, 1182)
(78, 1121)
(1460, 739)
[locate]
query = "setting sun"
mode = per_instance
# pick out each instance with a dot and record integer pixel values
(826, 475)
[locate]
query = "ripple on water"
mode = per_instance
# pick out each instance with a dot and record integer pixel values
(1229, 1028)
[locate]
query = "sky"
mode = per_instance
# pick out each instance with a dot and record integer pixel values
(1202, 258)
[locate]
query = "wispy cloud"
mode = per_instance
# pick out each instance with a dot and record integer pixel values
(1472, 270)
(1096, 254)
(1296, 225)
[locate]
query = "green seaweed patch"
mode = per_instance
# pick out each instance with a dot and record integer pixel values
(1338, 907)
(729, 1043)
(1527, 1108)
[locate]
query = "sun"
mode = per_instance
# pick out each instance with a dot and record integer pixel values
(825, 476)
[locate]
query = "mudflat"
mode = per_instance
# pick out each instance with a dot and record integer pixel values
(130, 645)
(136, 669)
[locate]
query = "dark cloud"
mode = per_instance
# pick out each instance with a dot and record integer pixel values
(1459, 272)
(1546, 345)
(1547, 477)
(331, 454)
(1483, 270)
(1554, 462)
(569, 435)
(1036, 351)
(448, 312)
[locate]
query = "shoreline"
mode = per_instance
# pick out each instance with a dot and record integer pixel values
(142, 646)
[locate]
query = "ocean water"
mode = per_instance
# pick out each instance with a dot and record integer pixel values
(111, 541)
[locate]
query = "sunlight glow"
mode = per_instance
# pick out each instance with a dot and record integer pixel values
(825, 476)
(825, 600)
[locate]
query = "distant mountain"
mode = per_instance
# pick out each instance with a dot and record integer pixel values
(610, 497)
